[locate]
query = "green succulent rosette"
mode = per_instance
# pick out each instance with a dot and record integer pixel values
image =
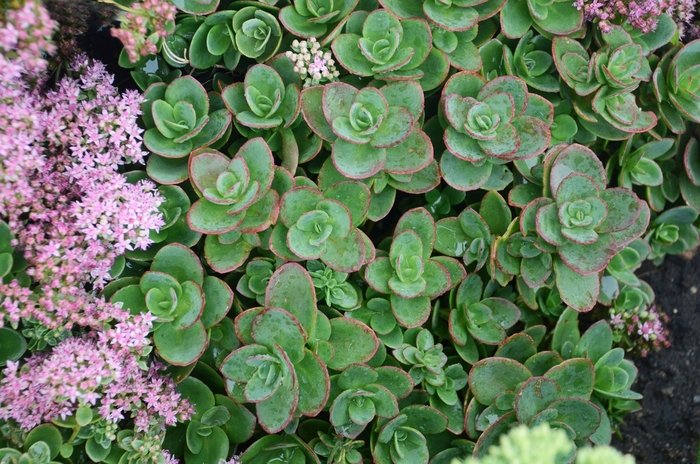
(675, 84)
(389, 48)
(372, 130)
(409, 274)
(236, 201)
(315, 225)
(313, 18)
(584, 223)
(185, 302)
(489, 124)
(179, 118)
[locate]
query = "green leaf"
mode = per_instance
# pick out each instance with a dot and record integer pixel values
(357, 161)
(277, 326)
(581, 415)
(576, 377)
(277, 411)
(578, 291)
(12, 345)
(180, 347)
(411, 312)
(291, 289)
(595, 342)
(536, 394)
(352, 341)
(490, 377)
(48, 434)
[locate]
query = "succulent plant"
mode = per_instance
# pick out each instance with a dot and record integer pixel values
(475, 317)
(333, 287)
(614, 375)
(532, 62)
(185, 302)
(267, 105)
(309, 18)
(216, 422)
(236, 201)
(275, 369)
(610, 75)
(179, 118)
(258, 33)
(409, 274)
(253, 283)
(315, 225)
(470, 235)
(402, 439)
(559, 17)
(360, 393)
(337, 450)
(583, 223)
(372, 130)
(285, 448)
(675, 83)
(672, 232)
(489, 124)
(390, 48)
(214, 40)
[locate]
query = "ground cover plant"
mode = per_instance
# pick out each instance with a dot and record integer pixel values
(338, 231)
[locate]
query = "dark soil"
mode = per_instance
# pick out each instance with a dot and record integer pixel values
(666, 430)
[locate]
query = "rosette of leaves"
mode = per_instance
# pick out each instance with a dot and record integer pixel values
(402, 440)
(213, 41)
(522, 256)
(558, 17)
(608, 80)
(639, 166)
(361, 393)
(254, 282)
(185, 302)
(672, 232)
(541, 389)
(38, 453)
(284, 449)
(476, 317)
(337, 450)
(310, 18)
(333, 287)
(389, 48)
(372, 130)
(236, 201)
(216, 422)
(315, 225)
(489, 124)
(470, 235)
(275, 370)
(258, 33)
(676, 85)
(621, 271)
(179, 118)
(614, 375)
(266, 105)
(409, 274)
(376, 313)
(582, 222)
(425, 357)
(532, 62)
(453, 25)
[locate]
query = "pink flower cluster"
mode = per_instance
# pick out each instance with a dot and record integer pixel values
(26, 34)
(144, 25)
(73, 211)
(643, 329)
(104, 372)
(640, 14)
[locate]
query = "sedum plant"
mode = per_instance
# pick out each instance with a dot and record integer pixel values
(371, 226)
(409, 275)
(489, 124)
(179, 117)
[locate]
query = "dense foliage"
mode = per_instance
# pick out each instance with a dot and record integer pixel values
(339, 231)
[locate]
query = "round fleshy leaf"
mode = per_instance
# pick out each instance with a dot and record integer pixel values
(352, 341)
(357, 161)
(277, 326)
(490, 377)
(180, 347)
(291, 289)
